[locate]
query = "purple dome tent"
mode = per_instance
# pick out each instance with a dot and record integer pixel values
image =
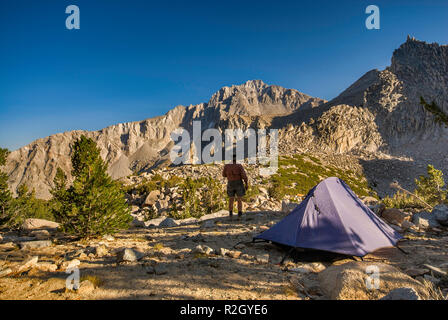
(332, 218)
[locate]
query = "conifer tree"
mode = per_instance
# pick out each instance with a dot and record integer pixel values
(432, 187)
(5, 194)
(94, 204)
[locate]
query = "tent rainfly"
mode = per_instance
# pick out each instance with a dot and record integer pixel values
(332, 218)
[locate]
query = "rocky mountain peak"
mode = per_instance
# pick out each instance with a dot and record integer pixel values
(422, 63)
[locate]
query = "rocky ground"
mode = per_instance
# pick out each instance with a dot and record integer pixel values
(196, 259)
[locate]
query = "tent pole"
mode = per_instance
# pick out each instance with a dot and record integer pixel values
(249, 242)
(401, 250)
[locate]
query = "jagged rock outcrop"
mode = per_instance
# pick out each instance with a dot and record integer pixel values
(393, 95)
(344, 128)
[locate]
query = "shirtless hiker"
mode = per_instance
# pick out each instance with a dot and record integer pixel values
(237, 184)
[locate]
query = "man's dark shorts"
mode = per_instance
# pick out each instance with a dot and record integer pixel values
(236, 188)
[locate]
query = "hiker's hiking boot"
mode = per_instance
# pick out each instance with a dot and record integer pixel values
(240, 214)
(231, 215)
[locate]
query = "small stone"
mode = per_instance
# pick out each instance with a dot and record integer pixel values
(86, 287)
(108, 237)
(5, 272)
(234, 254)
(222, 251)
(207, 250)
(199, 249)
(28, 263)
(35, 244)
(317, 267)
(129, 255)
(40, 234)
(168, 223)
(101, 251)
(262, 258)
(402, 294)
(245, 256)
(46, 266)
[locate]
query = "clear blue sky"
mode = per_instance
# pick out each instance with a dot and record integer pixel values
(136, 59)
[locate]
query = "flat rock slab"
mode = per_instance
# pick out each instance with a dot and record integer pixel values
(35, 244)
(356, 281)
(218, 214)
(37, 224)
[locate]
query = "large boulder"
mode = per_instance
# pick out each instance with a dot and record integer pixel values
(350, 281)
(32, 224)
(151, 198)
(394, 216)
(440, 212)
(425, 220)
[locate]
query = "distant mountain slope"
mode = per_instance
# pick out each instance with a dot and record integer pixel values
(379, 112)
(134, 146)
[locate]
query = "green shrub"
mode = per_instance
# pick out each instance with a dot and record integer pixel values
(432, 187)
(401, 200)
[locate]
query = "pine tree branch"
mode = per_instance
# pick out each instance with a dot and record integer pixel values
(396, 186)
